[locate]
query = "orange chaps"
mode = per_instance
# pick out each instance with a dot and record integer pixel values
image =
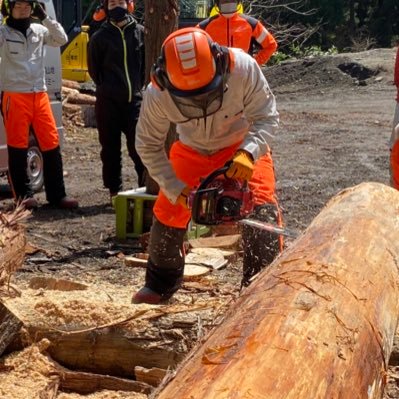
(165, 265)
(24, 110)
(190, 166)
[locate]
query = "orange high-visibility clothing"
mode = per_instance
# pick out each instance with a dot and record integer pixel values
(24, 110)
(396, 76)
(240, 31)
(189, 166)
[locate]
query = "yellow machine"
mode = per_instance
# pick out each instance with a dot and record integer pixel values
(74, 57)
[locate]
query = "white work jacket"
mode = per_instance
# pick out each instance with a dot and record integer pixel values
(248, 115)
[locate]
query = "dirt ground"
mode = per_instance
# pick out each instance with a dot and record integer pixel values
(336, 115)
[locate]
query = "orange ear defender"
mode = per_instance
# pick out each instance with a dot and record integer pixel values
(100, 13)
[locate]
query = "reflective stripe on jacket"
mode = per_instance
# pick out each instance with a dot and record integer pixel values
(248, 115)
(241, 31)
(22, 58)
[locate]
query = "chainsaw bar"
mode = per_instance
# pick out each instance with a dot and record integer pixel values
(269, 227)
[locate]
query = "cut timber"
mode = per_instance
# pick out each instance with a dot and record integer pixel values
(10, 326)
(192, 272)
(211, 257)
(85, 383)
(320, 321)
(152, 376)
(226, 242)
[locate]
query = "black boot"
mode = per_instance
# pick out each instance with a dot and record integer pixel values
(53, 176)
(18, 174)
(260, 247)
(165, 266)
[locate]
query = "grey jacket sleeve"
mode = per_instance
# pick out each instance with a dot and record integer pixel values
(151, 133)
(260, 110)
(55, 35)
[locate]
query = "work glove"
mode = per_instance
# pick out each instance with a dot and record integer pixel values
(182, 199)
(242, 166)
(38, 12)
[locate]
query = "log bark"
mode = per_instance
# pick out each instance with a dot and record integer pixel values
(10, 326)
(320, 321)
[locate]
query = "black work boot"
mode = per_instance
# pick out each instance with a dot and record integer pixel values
(18, 173)
(53, 174)
(260, 247)
(165, 265)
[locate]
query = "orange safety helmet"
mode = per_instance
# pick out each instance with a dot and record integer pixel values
(194, 70)
(100, 12)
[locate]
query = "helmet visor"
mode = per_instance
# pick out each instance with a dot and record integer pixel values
(197, 103)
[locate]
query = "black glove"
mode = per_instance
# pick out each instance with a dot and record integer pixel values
(38, 12)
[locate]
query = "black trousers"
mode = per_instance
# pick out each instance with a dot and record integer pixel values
(114, 118)
(52, 173)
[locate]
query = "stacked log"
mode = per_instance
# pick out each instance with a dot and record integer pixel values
(77, 107)
(320, 322)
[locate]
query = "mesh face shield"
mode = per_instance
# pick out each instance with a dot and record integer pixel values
(200, 103)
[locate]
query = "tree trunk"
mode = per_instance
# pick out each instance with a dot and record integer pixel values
(319, 322)
(161, 17)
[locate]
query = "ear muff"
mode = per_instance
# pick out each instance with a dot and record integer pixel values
(158, 75)
(130, 7)
(104, 6)
(222, 58)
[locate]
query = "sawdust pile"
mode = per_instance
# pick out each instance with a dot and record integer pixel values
(75, 309)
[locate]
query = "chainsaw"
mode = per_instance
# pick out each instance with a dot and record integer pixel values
(222, 200)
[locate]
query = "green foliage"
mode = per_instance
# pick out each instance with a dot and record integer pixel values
(296, 51)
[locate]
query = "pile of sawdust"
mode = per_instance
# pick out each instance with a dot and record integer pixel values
(97, 306)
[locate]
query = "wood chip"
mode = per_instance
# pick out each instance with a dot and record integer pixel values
(194, 271)
(211, 257)
(226, 242)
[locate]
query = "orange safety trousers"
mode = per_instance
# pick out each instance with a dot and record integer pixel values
(395, 165)
(190, 166)
(24, 110)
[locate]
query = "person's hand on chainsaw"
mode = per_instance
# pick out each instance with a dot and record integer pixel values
(182, 199)
(242, 166)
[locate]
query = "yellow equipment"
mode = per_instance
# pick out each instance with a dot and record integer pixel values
(74, 57)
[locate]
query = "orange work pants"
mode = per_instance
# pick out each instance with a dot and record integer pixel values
(24, 110)
(190, 166)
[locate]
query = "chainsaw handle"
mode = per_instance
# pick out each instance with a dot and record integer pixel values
(213, 175)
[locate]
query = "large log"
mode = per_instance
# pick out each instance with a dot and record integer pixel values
(320, 322)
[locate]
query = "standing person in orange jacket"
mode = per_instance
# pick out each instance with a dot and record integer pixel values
(394, 145)
(232, 29)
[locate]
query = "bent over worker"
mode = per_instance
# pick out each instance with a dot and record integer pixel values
(24, 100)
(394, 144)
(233, 29)
(224, 111)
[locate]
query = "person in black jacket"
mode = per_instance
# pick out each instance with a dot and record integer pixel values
(116, 65)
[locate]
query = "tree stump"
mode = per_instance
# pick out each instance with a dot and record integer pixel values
(320, 321)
